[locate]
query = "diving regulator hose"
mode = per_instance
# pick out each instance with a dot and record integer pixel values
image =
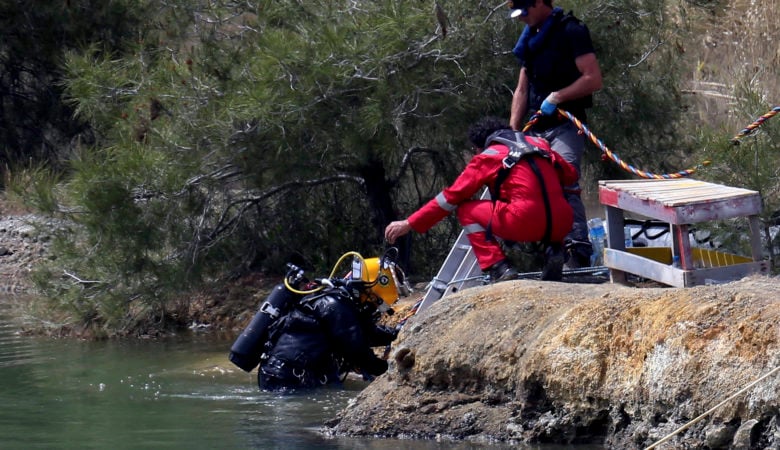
(296, 274)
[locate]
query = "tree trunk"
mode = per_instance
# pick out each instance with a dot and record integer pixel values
(382, 211)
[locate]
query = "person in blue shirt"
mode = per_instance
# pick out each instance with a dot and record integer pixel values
(558, 69)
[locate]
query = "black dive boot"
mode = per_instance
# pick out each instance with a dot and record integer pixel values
(502, 271)
(554, 258)
(577, 254)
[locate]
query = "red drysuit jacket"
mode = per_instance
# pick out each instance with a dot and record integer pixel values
(520, 198)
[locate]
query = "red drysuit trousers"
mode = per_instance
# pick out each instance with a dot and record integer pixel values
(474, 216)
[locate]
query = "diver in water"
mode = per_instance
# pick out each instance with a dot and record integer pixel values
(325, 330)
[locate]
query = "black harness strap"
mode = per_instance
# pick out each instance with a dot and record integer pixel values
(547, 209)
(519, 148)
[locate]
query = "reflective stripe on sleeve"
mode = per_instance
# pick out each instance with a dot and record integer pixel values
(444, 204)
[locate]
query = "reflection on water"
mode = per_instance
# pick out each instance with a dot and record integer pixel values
(174, 393)
(13, 349)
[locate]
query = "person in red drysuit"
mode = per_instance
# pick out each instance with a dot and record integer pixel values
(518, 215)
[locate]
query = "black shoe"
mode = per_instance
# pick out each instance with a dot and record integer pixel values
(578, 254)
(502, 271)
(553, 263)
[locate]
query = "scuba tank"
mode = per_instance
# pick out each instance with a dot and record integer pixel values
(247, 349)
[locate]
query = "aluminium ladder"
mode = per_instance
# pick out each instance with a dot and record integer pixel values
(459, 271)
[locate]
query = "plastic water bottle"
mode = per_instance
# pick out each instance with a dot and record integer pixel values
(627, 235)
(597, 236)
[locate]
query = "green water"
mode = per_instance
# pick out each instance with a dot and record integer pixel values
(177, 393)
(155, 394)
(172, 393)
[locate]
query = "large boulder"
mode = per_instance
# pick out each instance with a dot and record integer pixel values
(545, 362)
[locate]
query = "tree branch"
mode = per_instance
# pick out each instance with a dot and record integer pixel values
(646, 55)
(224, 223)
(405, 161)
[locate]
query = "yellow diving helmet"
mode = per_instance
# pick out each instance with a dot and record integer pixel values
(384, 279)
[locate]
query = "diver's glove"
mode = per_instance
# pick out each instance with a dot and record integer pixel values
(374, 366)
(383, 335)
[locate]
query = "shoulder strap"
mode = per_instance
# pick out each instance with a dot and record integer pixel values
(518, 147)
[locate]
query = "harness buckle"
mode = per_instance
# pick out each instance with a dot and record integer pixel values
(270, 310)
(299, 376)
(509, 161)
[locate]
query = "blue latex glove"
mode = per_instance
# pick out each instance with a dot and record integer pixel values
(548, 108)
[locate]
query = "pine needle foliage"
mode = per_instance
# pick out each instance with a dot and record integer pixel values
(36, 126)
(235, 136)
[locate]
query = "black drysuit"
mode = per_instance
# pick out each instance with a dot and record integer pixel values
(323, 336)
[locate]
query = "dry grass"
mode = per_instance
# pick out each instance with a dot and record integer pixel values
(12, 206)
(737, 52)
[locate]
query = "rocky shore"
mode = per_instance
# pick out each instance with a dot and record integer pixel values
(24, 241)
(622, 367)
